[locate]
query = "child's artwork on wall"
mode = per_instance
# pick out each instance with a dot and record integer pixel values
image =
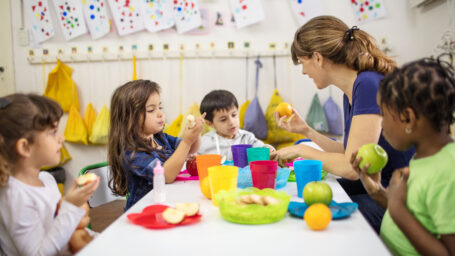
(70, 16)
(368, 10)
(187, 16)
(37, 12)
(304, 10)
(247, 12)
(96, 16)
(219, 18)
(204, 28)
(127, 16)
(158, 14)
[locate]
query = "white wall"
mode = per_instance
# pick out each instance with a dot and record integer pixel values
(411, 33)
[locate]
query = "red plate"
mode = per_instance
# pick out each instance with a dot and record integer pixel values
(151, 217)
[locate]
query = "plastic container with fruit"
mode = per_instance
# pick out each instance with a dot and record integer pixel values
(253, 206)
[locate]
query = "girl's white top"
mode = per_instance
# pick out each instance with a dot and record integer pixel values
(28, 224)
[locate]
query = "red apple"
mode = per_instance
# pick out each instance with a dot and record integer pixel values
(191, 166)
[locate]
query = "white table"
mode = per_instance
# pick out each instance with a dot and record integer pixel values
(215, 236)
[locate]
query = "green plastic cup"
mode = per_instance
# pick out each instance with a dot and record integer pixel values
(257, 154)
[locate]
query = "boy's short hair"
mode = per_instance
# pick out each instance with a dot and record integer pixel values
(217, 100)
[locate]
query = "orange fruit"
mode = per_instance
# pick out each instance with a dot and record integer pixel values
(205, 188)
(284, 109)
(317, 216)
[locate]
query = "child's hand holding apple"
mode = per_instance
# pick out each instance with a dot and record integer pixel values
(371, 182)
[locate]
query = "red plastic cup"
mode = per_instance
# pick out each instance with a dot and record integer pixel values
(263, 173)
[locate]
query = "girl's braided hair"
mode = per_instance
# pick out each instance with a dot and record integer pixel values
(427, 86)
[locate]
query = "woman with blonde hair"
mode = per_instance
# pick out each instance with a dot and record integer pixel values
(331, 53)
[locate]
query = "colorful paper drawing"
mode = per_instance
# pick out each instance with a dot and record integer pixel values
(368, 10)
(71, 18)
(219, 18)
(96, 17)
(187, 15)
(204, 28)
(127, 16)
(304, 10)
(158, 14)
(37, 12)
(247, 12)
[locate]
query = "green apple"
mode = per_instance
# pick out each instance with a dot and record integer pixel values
(373, 154)
(317, 192)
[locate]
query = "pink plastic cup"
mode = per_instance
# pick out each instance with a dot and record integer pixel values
(263, 173)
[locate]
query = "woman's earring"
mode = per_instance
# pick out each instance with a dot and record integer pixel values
(407, 130)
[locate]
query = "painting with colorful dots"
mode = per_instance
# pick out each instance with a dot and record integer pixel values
(96, 17)
(127, 15)
(247, 12)
(158, 14)
(37, 12)
(71, 19)
(204, 28)
(368, 10)
(186, 15)
(304, 10)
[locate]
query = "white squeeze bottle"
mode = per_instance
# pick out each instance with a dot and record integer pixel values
(159, 195)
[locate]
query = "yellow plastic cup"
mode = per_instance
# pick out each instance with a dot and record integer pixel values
(222, 178)
(203, 162)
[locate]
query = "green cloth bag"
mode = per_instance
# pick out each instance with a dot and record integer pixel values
(316, 116)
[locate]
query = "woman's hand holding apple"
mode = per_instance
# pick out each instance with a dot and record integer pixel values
(295, 123)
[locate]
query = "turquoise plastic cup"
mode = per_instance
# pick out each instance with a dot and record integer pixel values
(257, 154)
(306, 171)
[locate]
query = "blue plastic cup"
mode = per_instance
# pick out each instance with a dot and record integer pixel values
(306, 171)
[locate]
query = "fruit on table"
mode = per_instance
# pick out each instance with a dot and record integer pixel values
(317, 216)
(190, 209)
(86, 178)
(191, 166)
(373, 154)
(191, 121)
(173, 216)
(317, 192)
(205, 188)
(284, 109)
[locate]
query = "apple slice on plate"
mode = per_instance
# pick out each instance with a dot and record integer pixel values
(190, 209)
(173, 216)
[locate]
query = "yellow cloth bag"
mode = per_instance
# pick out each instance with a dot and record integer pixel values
(275, 135)
(89, 118)
(61, 88)
(175, 126)
(242, 111)
(75, 130)
(100, 132)
(195, 111)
